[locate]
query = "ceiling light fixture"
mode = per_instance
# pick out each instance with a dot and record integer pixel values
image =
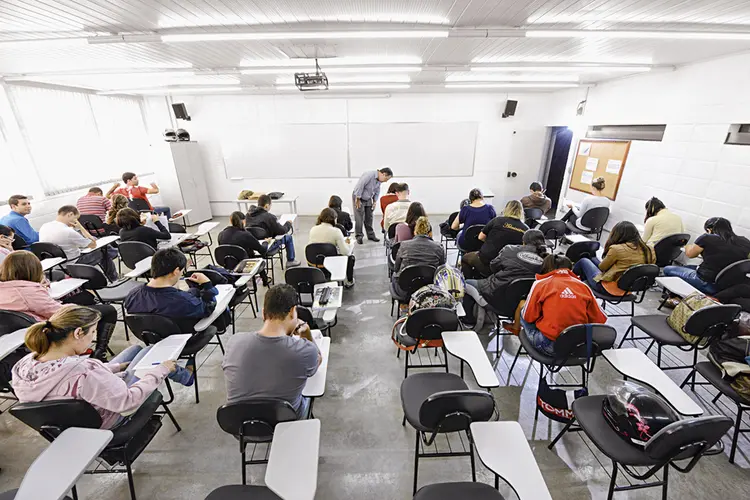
(393, 78)
(184, 90)
(334, 70)
(550, 69)
(302, 35)
(676, 35)
(330, 61)
(495, 77)
(547, 85)
(375, 86)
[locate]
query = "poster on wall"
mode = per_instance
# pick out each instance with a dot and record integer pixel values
(592, 164)
(587, 177)
(613, 166)
(585, 149)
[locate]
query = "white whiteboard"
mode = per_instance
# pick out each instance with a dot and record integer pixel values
(286, 151)
(413, 149)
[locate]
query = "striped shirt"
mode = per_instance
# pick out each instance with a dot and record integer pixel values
(93, 204)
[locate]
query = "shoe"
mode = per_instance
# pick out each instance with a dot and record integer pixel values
(374, 238)
(349, 284)
(292, 263)
(511, 328)
(102, 341)
(359, 240)
(672, 303)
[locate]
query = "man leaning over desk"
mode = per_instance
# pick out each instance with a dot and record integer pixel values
(364, 197)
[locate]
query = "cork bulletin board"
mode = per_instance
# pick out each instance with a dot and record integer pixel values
(599, 158)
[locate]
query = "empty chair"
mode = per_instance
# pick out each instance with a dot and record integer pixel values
(47, 250)
(229, 256)
(668, 249)
(424, 328)
(445, 491)
(593, 219)
(132, 252)
(304, 279)
(553, 230)
(315, 254)
(635, 282)
(410, 279)
(582, 249)
(11, 321)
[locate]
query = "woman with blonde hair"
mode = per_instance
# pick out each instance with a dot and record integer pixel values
(118, 203)
(506, 229)
(421, 249)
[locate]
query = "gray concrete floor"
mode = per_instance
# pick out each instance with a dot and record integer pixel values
(365, 453)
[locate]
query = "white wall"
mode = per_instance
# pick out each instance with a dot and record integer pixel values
(213, 116)
(691, 170)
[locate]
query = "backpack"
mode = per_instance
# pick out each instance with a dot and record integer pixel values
(555, 404)
(681, 314)
(275, 195)
(431, 296)
(451, 280)
(741, 385)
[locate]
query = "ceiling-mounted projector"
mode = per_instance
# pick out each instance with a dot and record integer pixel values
(311, 81)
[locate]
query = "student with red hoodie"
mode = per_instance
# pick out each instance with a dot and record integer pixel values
(557, 300)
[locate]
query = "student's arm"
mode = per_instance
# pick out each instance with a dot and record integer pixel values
(162, 233)
(251, 242)
(532, 310)
(693, 250)
(609, 260)
(112, 189)
(106, 390)
(341, 245)
(580, 210)
(106, 204)
(153, 189)
(277, 229)
(387, 216)
(648, 228)
(199, 302)
(486, 230)
(399, 258)
(594, 311)
(458, 220)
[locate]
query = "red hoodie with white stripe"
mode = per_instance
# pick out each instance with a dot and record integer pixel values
(558, 300)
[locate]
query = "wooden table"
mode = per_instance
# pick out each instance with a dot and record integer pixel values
(466, 347)
(11, 342)
(58, 289)
(226, 292)
(292, 471)
(336, 265)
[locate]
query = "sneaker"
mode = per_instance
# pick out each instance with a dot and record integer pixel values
(359, 240)
(292, 263)
(511, 328)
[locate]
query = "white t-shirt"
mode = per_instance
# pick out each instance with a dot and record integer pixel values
(67, 238)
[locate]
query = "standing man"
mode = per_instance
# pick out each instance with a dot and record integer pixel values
(364, 196)
(133, 191)
(20, 207)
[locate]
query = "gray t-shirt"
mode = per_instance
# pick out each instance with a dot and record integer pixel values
(270, 367)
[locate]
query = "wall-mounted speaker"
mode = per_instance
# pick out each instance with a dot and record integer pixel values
(510, 108)
(180, 111)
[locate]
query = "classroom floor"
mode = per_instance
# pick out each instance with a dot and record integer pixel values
(365, 453)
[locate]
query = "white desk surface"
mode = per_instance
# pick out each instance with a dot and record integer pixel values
(460, 312)
(292, 471)
(54, 473)
(226, 292)
(634, 364)
(141, 268)
(466, 346)
(486, 193)
(243, 280)
(284, 218)
(11, 342)
(165, 349)
(101, 242)
(335, 301)
(58, 289)
(676, 285)
(576, 238)
(316, 385)
(47, 264)
(502, 447)
(174, 240)
(336, 265)
(204, 228)
(180, 214)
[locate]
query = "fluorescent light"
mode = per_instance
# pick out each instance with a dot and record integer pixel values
(46, 42)
(509, 85)
(676, 35)
(493, 77)
(372, 69)
(394, 78)
(328, 62)
(549, 69)
(375, 86)
(184, 90)
(302, 35)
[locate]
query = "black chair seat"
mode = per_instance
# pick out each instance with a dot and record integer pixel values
(118, 293)
(452, 491)
(628, 297)
(11, 495)
(242, 492)
(135, 423)
(710, 372)
(573, 228)
(657, 328)
(543, 358)
(588, 413)
(199, 341)
(415, 389)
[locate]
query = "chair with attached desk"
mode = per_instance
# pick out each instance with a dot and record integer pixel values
(734, 274)
(304, 279)
(553, 230)
(261, 234)
(448, 235)
(139, 205)
(315, 254)
(582, 249)
(472, 243)
(594, 219)
(11, 321)
(424, 329)
(94, 225)
(669, 248)
(635, 282)
(151, 328)
(504, 306)
(242, 293)
(131, 436)
(410, 279)
(132, 252)
(45, 250)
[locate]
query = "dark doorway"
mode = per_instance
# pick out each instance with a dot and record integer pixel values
(559, 147)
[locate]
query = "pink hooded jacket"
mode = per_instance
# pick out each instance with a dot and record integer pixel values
(29, 298)
(80, 377)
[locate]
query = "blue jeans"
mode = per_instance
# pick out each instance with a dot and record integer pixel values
(163, 210)
(689, 274)
(586, 269)
(304, 407)
(133, 355)
(288, 242)
(537, 338)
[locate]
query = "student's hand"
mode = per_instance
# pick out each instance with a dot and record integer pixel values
(170, 364)
(199, 278)
(123, 366)
(348, 241)
(357, 203)
(115, 185)
(154, 217)
(303, 330)
(153, 185)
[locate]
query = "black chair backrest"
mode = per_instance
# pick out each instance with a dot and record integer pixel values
(412, 278)
(132, 252)
(668, 248)
(452, 411)
(553, 229)
(733, 274)
(174, 228)
(306, 315)
(304, 279)
(50, 418)
(392, 230)
(343, 230)
(228, 256)
(429, 324)
(472, 243)
(255, 417)
(595, 218)
(315, 253)
(19, 243)
(394, 250)
(638, 278)
(581, 249)
(10, 321)
(507, 301)
(46, 250)
(687, 438)
(712, 322)
(451, 218)
(151, 328)
(259, 232)
(93, 224)
(533, 213)
(572, 341)
(215, 276)
(139, 205)
(94, 275)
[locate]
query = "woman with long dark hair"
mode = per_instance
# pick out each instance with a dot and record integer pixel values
(660, 222)
(624, 249)
(343, 218)
(405, 230)
(236, 234)
(720, 247)
(475, 212)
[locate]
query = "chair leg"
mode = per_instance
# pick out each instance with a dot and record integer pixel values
(695, 362)
(244, 467)
(649, 347)
(737, 424)
(613, 481)
(416, 464)
(520, 348)
(560, 435)
(131, 484)
(473, 465)
(629, 330)
(171, 417)
(666, 483)
(541, 377)
(445, 356)
(221, 345)
(74, 492)
(658, 355)
(125, 323)
(195, 381)
(406, 364)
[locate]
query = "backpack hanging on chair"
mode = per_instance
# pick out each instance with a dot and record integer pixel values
(429, 296)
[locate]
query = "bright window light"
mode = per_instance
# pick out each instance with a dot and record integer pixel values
(675, 35)
(184, 90)
(303, 35)
(393, 78)
(494, 77)
(550, 69)
(327, 71)
(327, 62)
(541, 85)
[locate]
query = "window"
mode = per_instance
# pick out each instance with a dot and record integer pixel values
(19, 180)
(739, 133)
(627, 132)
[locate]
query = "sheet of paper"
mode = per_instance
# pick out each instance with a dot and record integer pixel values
(592, 163)
(613, 166)
(587, 177)
(585, 149)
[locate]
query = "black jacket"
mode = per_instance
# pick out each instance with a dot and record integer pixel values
(235, 236)
(260, 217)
(145, 234)
(514, 261)
(344, 219)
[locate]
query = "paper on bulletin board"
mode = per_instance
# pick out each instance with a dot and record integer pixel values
(587, 176)
(613, 166)
(592, 163)
(585, 149)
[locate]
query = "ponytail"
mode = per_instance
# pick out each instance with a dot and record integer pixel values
(555, 261)
(40, 336)
(237, 219)
(535, 238)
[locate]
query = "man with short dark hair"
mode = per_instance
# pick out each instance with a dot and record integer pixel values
(396, 211)
(536, 198)
(276, 361)
(261, 216)
(20, 207)
(133, 191)
(94, 203)
(365, 196)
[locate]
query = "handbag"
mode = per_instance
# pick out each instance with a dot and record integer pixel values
(681, 314)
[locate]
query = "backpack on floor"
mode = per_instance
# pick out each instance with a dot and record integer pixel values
(556, 404)
(451, 280)
(681, 314)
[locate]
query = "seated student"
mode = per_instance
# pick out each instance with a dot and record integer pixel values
(624, 249)
(536, 199)
(20, 207)
(343, 218)
(396, 212)
(276, 361)
(235, 234)
(135, 192)
(325, 231)
(506, 229)
(56, 369)
(660, 222)
(7, 235)
(514, 262)
(387, 199)
(421, 249)
(405, 230)
(94, 203)
(160, 296)
(719, 248)
(118, 203)
(132, 228)
(262, 217)
(476, 212)
(594, 200)
(557, 300)
(23, 289)
(67, 233)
